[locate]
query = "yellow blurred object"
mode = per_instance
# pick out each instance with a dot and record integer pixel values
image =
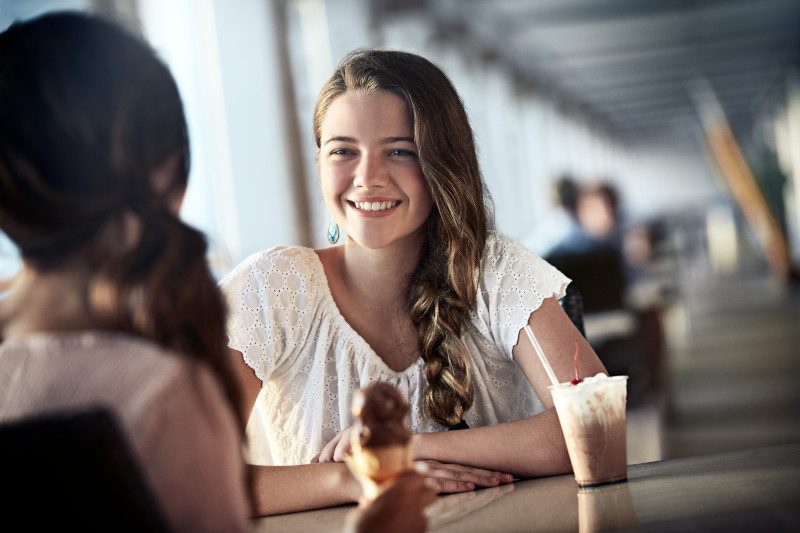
(745, 191)
(740, 180)
(373, 466)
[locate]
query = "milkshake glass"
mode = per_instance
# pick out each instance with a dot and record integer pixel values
(592, 417)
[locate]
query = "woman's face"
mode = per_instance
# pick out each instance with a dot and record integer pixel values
(595, 214)
(371, 178)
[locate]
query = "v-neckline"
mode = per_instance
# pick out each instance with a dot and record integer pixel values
(368, 349)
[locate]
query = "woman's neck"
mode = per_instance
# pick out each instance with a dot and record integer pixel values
(378, 278)
(45, 301)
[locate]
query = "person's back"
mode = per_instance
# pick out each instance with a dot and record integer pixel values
(114, 306)
(151, 393)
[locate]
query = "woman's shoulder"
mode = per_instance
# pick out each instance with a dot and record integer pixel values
(509, 265)
(57, 361)
(500, 248)
(280, 257)
(273, 298)
(91, 344)
(281, 267)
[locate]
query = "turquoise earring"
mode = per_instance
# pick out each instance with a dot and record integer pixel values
(333, 232)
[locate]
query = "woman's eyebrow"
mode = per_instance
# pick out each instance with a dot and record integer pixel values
(340, 138)
(390, 140)
(385, 140)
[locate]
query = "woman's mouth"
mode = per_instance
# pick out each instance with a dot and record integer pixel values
(374, 206)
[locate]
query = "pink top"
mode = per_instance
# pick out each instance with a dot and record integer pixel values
(172, 410)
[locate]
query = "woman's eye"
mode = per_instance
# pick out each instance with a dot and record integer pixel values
(401, 152)
(341, 151)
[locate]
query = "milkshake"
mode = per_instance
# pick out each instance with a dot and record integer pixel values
(592, 416)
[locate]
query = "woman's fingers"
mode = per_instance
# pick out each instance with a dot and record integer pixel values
(336, 448)
(343, 446)
(326, 455)
(450, 486)
(465, 474)
(411, 485)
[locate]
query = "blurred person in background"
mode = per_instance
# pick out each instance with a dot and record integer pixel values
(422, 295)
(591, 254)
(598, 212)
(560, 221)
(608, 262)
(114, 306)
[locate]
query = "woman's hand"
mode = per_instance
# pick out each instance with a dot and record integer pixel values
(399, 507)
(449, 478)
(336, 449)
(459, 478)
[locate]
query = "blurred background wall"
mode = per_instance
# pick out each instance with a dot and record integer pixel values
(597, 89)
(690, 110)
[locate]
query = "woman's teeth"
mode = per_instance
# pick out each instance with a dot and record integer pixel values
(374, 206)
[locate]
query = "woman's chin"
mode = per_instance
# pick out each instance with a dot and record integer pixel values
(379, 241)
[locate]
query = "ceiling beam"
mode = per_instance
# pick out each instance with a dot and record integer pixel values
(564, 12)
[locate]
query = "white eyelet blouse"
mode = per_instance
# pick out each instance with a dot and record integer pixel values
(284, 321)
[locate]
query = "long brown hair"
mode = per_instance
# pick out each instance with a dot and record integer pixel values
(87, 115)
(442, 290)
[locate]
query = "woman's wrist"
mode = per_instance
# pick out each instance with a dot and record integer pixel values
(419, 446)
(351, 488)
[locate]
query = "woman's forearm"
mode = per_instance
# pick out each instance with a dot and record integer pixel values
(531, 447)
(287, 489)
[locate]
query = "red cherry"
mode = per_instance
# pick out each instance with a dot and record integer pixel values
(576, 381)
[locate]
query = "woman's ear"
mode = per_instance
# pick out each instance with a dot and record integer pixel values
(176, 201)
(165, 183)
(131, 230)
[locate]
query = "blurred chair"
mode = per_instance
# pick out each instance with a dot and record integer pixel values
(74, 471)
(599, 275)
(572, 304)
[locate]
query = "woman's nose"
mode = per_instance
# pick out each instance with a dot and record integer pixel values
(370, 172)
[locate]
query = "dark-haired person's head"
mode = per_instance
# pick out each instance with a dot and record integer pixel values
(598, 209)
(87, 115)
(94, 159)
(565, 194)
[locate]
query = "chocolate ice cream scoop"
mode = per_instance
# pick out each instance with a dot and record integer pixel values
(381, 412)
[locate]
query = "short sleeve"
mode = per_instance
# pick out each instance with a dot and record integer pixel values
(513, 284)
(271, 298)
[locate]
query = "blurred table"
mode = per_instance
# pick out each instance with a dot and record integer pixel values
(749, 490)
(605, 325)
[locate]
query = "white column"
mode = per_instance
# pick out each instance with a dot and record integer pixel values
(226, 59)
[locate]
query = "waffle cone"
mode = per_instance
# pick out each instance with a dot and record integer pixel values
(373, 466)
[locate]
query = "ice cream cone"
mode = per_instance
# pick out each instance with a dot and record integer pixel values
(380, 443)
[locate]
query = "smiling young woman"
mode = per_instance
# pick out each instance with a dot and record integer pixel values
(372, 182)
(422, 294)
